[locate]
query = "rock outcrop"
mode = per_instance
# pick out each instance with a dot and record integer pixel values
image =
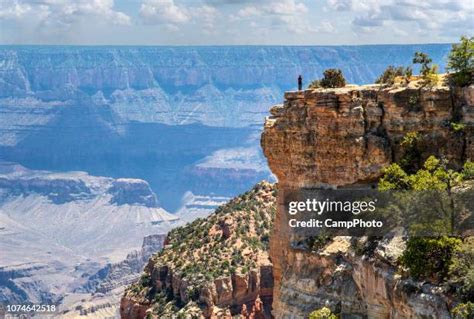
(126, 272)
(341, 137)
(344, 136)
(212, 268)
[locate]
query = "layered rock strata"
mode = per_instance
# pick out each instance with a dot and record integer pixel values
(343, 137)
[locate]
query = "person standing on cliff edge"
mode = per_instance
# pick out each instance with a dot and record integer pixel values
(300, 83)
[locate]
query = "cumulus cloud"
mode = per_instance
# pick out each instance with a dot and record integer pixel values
(413, 15)
(174, 15)
(64, 13)
(340, 5)
(234, 21)
(163, 12)
(288, 14)
(206, 16)
(277, 8)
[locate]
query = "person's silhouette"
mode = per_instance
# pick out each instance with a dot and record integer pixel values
(300, 83)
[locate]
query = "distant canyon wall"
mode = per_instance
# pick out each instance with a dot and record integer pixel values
(217, 86)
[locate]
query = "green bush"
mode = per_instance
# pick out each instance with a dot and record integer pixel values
(427, 257)
(392, 72)
(314, 84)
(462, 269)
(144, 280)
(408, 74)
(461, 61)
(428, 72)
(431, 78)
(314, 243)
(463, 311)
(332, 78)
(393, 178)
(323, 313)
(424, 60)
(430, 257)
(468, 170)
(457, 127)
(411, 158)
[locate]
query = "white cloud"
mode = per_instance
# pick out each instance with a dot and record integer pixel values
(65, 13)
(289, 14)
(354, 5)
(13, 10)
(206, 17)
(249, 11)
(408, 16)
(247, 21)
(163, 12)
(326, 27)
(173, 15)
(286, 8)
(340, 5)
(278, 8)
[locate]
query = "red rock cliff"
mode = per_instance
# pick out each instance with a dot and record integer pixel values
(345, 136)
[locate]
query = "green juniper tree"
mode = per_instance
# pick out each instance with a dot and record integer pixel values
(461, 61)
(332, 78)
(428, 71)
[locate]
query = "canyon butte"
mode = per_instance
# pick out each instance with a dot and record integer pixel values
(318, 138)
(344, 137)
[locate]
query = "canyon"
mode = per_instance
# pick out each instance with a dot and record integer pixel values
(339, 138)
(114, 144)
(156, 113)
(50, 227)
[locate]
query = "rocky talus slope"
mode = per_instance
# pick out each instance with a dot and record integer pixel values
(342, 137)
(212, 268)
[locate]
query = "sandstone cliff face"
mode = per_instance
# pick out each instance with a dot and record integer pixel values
(341, 137)
(345, 136)
(212, 268)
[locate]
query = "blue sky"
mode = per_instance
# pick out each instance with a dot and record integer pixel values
(221, 22)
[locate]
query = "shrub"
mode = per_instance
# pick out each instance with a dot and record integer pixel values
(462, 269)
(427, 257)
(413, 101)
(410, 139)
(408, 74)
(461, 61)
(431, 78)
(410, 161)
(391, 73)
(193, 293)
(429, 72)
(323, 313)
(430, 257)
(393, 178)
(144, 280)
(225, 264)
(424, 60)
(468, 170)
(457, 127)
(432, 176)
(463, 311)
(314, 243)
(333, 78)
(314, 84)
